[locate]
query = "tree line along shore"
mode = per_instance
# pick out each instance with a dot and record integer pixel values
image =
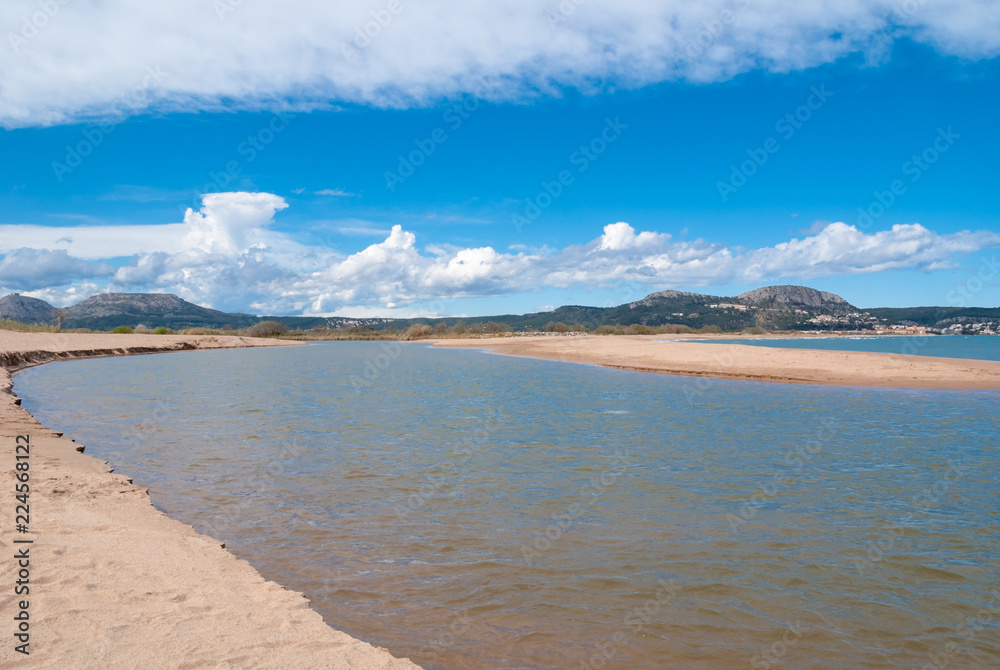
(418, 331)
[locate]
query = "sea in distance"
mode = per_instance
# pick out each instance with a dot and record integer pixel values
(982, 347)
(470, 510)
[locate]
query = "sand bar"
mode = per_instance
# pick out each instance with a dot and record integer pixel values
(115, 583)
(648, 353)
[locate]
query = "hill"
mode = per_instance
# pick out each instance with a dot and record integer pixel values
(795, 296)
(937, 317)
(23, 309)
(772, 307)
(109, 310)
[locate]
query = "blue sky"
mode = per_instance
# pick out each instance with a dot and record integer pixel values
(560, 165)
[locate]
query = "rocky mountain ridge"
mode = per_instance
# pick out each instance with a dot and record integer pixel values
(23, 309)
(771, 307)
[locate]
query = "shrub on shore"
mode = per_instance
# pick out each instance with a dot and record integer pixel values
(200, 331)
(267, 329)
(417, 331)
(641, 329)
(494, 328)
(7, 324)
(122, 330)
(560, 327)
(161, 331)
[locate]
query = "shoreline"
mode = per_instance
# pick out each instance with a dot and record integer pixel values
(117, 583)
(651, 353)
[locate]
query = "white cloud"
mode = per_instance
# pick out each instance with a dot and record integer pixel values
(91, 242)
(226, 256)
(64, 296)
(362, 231)
(91, 59)
(230, 222)
(842, 249)
(29, 269)
(620, 236)
(335, 192)
(226, 223)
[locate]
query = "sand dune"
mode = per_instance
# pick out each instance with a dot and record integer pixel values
(738, 361)
(115, 583)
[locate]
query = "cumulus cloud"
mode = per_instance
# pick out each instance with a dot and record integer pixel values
(226, 256)
(29, 269)
(396, 272)
(842, 249)
(620, 236)
(226, 223)
(116, 58)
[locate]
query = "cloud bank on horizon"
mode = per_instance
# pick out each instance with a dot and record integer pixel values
(194, 55)
(226, 256)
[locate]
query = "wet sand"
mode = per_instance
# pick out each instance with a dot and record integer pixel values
(115, 583)
(738, 361)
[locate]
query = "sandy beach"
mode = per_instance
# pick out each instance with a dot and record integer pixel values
(115, 583)
(649, 353)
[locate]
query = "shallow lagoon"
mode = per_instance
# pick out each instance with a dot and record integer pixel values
(476, 511)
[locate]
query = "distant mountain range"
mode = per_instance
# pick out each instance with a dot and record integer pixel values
(107, 311)
(771, 307)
